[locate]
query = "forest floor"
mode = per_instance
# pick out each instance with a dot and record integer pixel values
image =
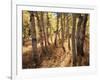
(55, 58)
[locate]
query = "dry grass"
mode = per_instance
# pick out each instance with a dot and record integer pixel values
(55, 58)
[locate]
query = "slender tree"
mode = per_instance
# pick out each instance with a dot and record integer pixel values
(34, 38)
(56, 32)
(67, 30)
(43, 24)
(83, 32)
(79, 26)
(40, 28)
(48, 26)
(73, 40)
(62, 30)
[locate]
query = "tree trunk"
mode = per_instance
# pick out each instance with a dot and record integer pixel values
(73, 40)
(44, 32)
(45, 28)
(56, 33)
(48, 26)
(34, 39)
(79, 39)
(62, 31)
(83, 32)
(40, 29)
(67, 32)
